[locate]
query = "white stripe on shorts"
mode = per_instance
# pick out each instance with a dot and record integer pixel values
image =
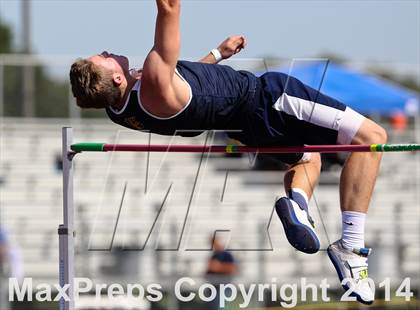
(347, 122)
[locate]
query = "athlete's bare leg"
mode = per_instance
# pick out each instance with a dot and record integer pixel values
(304, 175)
(361, 169)
(348, 254)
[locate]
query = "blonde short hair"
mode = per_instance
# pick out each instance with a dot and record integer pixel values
(93, 86)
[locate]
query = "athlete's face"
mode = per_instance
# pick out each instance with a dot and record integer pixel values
(111, 61)
(117, 64)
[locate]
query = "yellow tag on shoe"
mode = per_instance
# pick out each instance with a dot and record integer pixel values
(363, 274)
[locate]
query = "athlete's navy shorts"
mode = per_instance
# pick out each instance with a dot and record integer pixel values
(288, 112)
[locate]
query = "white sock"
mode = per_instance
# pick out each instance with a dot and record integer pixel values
(353, 234)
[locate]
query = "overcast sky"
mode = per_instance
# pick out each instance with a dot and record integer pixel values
(373, 31)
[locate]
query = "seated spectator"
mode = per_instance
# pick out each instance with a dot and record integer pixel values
(222, 261)
(220, 269)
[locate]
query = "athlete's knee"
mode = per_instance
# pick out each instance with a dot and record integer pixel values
(377, 135)
(380, 135)
(370, 133)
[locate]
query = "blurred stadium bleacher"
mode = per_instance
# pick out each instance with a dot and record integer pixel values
(240, 201)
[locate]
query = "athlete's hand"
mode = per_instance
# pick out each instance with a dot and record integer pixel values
(231, 46)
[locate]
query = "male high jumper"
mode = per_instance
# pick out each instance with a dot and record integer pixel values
(168, 96)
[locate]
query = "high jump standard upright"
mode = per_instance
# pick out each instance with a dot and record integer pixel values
(66, 230)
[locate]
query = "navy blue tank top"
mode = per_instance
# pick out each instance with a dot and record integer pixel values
(220, 98)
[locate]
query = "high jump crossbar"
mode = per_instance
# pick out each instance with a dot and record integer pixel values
(232, 149)
(66, 231)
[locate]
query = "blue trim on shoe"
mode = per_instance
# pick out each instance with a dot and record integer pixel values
(299, 235)
(340, 276)
(299, 199)
(364, 251)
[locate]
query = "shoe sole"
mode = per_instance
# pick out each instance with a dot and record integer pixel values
(296, 232)
(340, 276)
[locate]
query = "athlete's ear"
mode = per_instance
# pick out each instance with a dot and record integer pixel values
(117, 78)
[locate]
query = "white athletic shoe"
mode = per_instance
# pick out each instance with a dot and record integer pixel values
(353, 265)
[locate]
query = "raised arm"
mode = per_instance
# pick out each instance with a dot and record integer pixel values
(159, 66)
